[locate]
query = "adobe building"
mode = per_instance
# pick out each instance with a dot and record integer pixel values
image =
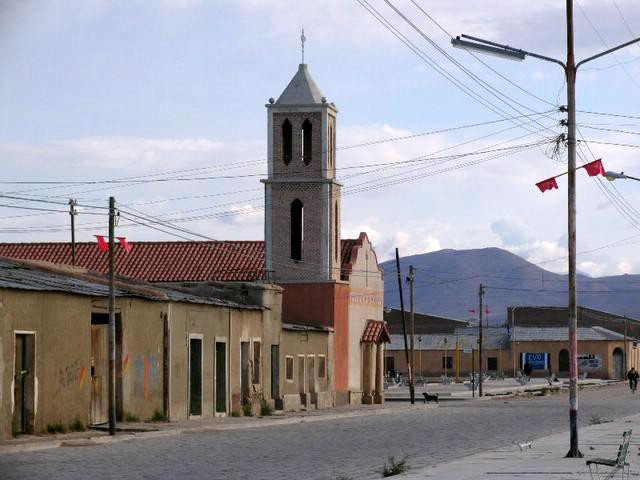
(333, 286)
(177, 355)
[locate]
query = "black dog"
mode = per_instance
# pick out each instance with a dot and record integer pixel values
(430, 398)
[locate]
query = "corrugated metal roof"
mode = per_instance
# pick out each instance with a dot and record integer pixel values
(241, 261)
(559, 334)
(20, 275)
(437, 342)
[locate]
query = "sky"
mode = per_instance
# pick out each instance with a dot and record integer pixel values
(95, 90)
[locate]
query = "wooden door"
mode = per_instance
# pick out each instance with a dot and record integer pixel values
(195, 377)
(221, 377)
(24, 388)
(99, 374)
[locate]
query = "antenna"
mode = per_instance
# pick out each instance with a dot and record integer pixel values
(302, 40)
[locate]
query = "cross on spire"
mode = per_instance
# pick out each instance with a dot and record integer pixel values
(302, 40)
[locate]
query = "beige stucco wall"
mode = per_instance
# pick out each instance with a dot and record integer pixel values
(62, 326)
(295, 343)
(366, 302)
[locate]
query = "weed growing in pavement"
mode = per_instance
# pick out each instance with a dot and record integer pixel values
(394, 467)
(265, 408)
(77, 426)
(247, 409)
(131, 418)
(157, 416)
(597, 420)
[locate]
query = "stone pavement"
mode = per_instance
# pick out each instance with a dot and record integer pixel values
(545, 459)
(142, 430)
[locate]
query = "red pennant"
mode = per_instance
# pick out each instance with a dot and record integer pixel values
(548, 184)
(102, 245)
(595, 168)
(471, 311)
(126, 245)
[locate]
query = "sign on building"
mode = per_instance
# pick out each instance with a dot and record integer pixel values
(538, 361)
(588, 361)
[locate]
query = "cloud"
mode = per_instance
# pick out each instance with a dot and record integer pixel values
(512, 231)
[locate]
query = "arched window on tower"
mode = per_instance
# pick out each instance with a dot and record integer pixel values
(330, 156)
(287, 147)
(297, 229)
(305, 135)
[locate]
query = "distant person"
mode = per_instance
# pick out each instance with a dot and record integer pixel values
(527, 369)
(633, 376)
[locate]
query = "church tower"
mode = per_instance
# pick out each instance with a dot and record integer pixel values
(302, 196)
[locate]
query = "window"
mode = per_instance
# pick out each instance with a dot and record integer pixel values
(305, 150)
(256, 362)
(492, 364)
(297, 229)
(330, 159)
(322, 366)
(287, 147)
(288, 368)
(449, 362)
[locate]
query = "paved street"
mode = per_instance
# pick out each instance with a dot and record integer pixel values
(353, 447)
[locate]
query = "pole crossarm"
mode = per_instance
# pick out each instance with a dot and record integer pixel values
(606, 52)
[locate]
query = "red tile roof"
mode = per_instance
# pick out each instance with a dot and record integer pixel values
(163, 261)
(375, 331)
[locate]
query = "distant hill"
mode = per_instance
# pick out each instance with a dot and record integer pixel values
(447, 284)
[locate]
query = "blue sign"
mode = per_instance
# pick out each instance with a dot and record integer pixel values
(538, 361)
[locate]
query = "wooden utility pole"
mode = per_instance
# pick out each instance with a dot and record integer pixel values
(72, 213)
(480, 295)
(404, 330)
(413, 325)
(473, 374)
(112, 319)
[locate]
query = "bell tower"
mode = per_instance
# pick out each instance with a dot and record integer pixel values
(302, 196)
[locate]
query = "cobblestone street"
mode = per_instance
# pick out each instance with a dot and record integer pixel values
(352, 447)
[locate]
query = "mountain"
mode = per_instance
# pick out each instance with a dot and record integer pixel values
(447, 282)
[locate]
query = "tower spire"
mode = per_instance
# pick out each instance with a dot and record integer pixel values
(302, 40)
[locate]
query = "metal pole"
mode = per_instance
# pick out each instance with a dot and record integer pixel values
(72, 213)
(480, 293)
(473, 374)
(413, 327)
(112, 320)
(404, 329)
(574, 451)
(624, 350)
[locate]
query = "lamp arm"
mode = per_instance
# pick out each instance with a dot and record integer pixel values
(606, 52)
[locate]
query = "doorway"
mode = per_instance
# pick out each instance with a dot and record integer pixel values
(275, 372)
(301, 376)
(244, 371)
(221, 378)
(618, 367)
(311, 374)
(563, 360)
(99, 372)
(195, 376)
(24, 386)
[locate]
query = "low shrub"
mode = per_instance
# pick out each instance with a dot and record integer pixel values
(132, 417)
(77, 426)
(394, 467)
(56, 428)
(247, 410)
(265, 408)
(157, 416)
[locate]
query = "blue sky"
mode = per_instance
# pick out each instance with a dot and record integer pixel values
(99, 89)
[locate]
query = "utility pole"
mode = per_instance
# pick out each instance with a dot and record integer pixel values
(112, 319)
(574, 452)
(624, 350)
(480, 294)
(570, 70)
(73, 203)
(413, 325)
(473, 374)
(404, 330)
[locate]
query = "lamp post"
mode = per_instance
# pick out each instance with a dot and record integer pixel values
(446, 351)
(570, 69)
(420, 355)
(611, 176)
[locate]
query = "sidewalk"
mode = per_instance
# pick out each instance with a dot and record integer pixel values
(545, 459)
(142, 430)
(491, 388)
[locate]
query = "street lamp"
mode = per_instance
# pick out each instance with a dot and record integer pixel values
(570, 69)
(611, 176)
(420, 355)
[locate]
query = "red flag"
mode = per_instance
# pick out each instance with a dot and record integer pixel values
(126, 245)
(486, 309)
(102, 245)
(595, 168)
(548, 184)
(471, 311)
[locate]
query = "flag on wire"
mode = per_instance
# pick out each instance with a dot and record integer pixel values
(548, 184)
(126, 245)
(595, 168)
(103, 246)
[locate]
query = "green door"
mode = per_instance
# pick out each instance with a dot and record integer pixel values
(195, 376)
(221, 377)
(24, 398)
